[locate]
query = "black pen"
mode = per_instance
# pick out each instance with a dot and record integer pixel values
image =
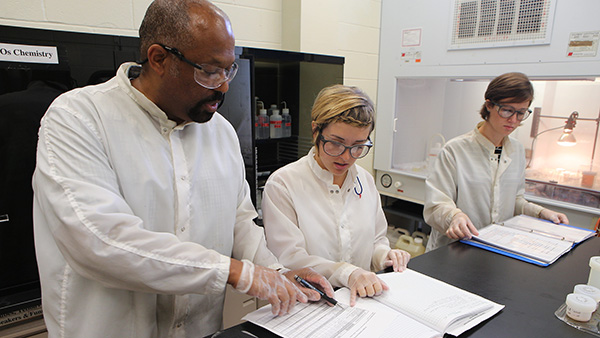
(306, 284)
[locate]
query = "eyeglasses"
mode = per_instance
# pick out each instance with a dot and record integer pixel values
(508, 111)
(335, 148)
(208, 76)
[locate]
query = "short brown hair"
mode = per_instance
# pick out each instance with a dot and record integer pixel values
(342, 103)
(508, 86)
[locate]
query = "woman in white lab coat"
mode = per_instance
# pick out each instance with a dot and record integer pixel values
(479, 177)
(324, 211)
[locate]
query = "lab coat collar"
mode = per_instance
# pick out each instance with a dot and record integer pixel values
(326, 176)
(507, 146)
(150, 107)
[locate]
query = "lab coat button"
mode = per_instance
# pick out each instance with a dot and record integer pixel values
(331, 191)
(182, 229)
(337, 191)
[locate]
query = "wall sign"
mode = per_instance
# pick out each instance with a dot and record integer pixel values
(27, 53)
(583, 44)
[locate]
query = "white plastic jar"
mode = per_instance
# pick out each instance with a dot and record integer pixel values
(594, 279)
(588, 290)
(580, 307)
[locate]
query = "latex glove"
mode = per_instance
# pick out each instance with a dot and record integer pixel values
(313, 278)
(268, 284)
(461, 227)
(365, 284)
(554, 216)
(398, 259)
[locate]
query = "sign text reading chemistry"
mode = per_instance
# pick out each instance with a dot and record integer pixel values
(20, 52)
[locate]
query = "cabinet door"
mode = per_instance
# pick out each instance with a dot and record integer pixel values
(237, 305)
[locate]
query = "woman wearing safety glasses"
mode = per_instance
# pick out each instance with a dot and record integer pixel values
(479, 177)
(323, 211)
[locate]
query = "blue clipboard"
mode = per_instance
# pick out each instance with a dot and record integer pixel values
(521, 257)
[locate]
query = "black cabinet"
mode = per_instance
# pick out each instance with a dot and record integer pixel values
(276, 76)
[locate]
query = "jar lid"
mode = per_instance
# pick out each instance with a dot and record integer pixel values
(588, 290)
(581, 303)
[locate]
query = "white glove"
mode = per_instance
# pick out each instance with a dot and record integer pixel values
(365, 284)
(461, 227)
(268, 284)
(553, 216)
(398, 259)
(315, 279)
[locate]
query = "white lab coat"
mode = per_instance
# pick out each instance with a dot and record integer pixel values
(309, 221)
(467, 176)
(136, 217)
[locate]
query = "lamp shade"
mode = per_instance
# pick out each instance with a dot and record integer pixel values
(567, 139)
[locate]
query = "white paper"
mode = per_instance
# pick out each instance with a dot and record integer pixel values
(558, 231)
(321, 320)
(539, 247)
(400, 309)
(442, 306)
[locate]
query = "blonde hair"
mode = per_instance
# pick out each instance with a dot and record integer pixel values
(339, 103)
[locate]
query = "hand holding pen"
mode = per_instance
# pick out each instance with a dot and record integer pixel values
(314, 279)
(306, 284)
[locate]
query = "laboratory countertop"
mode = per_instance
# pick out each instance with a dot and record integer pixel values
(530, 293)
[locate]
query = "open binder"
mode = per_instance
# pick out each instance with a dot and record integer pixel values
(398, 312)
(530, 239)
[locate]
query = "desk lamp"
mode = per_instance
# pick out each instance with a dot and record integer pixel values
(567, 139)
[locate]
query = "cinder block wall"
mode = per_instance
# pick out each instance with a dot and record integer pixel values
(348, 28)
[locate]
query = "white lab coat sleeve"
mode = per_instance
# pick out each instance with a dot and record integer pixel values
(77, 192)
(440, 192)
(286, 240)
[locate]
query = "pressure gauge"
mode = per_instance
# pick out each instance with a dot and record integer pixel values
(386, 180)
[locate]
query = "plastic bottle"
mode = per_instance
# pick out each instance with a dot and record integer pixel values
(263, 125)
(414, 246)
(275, 124)
(422, 235)
(273, 107)
(286, 119)
(433, 149)
(259, 120)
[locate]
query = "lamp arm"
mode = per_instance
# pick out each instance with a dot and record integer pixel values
(533, 143)
(595, 141)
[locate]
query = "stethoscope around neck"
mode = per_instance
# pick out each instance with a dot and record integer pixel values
(359, 193)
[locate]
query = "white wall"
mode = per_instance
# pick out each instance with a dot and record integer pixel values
(348, 28)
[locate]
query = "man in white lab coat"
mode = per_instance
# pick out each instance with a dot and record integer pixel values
(142, 213)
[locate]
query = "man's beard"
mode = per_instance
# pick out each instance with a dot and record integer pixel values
(200, 115)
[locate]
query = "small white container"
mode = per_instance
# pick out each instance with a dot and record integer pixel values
(594, 279)
(580, 307)
(588, 290)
